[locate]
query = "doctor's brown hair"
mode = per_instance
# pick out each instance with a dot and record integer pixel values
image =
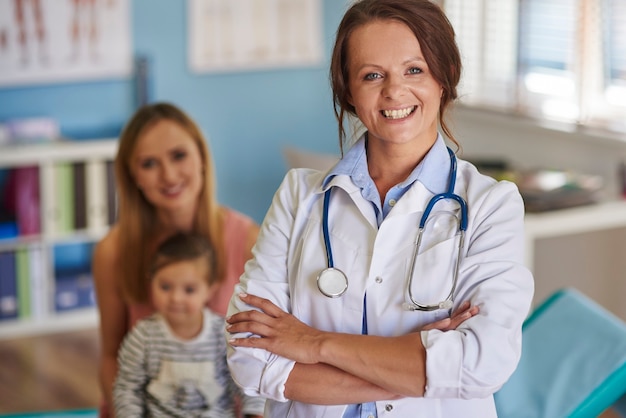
(434, 33)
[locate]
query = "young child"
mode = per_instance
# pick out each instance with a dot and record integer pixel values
(173, 363)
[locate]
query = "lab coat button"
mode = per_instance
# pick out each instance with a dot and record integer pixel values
(379, 280)
(388, 407)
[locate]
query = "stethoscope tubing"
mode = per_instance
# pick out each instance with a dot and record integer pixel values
(413, 305)
(329, 251)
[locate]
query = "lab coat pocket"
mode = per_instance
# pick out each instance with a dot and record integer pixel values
(431, 273)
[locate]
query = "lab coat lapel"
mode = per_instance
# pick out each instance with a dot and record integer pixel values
(415, 200)
(365, 207)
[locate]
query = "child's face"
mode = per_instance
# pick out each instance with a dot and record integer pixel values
(180, 291)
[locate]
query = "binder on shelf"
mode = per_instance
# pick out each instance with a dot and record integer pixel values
(38, 289)
(8, 223)
(21, 199)
(74, 291)
(51, 213)
(64, 176)
(23, 283)
(8, 286)
(49, 200)
(8, 230)
(96, 194)
(57, 181)
(73, 281)
(80, 199)
(27, 200)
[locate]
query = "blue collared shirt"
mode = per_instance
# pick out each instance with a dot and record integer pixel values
(428, 172)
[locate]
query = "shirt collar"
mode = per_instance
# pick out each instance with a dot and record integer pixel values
(428, 171)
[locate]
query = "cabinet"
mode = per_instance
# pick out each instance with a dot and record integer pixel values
(57, 200)
(582, 247)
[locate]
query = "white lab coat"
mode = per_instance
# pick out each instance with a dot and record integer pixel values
(464, 367)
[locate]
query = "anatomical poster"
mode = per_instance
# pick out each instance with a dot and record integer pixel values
(50, 41)
(244, 35)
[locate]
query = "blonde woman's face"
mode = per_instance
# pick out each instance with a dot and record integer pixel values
(167, 167)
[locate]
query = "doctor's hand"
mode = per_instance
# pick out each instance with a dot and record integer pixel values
(280, 332)
(464, 312)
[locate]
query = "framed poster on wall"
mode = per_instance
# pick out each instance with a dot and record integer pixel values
(50, 41)
(244, 35)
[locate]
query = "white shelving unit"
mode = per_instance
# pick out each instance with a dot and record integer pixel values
(591, 218)
(45, 156)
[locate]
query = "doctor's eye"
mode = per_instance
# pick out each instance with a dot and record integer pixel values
(372, 76)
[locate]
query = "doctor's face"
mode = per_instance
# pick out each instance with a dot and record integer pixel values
(390, 84)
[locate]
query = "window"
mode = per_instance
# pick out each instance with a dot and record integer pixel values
(615, 55)
(555, 59)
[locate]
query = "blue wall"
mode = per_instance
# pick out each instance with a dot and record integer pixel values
(247, 116)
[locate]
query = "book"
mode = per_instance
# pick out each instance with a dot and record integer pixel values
(80, 198)
(58, 198)
(74, 291)
(27, 207)
(39, 300)
(23, 283)
(8, 230)
(96, 194)
(64, 176)
(73, 283)
(8, 286)
(49, 200)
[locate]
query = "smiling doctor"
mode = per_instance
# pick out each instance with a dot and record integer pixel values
(392, 285)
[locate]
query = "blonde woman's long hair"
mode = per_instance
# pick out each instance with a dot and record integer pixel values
(137, 217)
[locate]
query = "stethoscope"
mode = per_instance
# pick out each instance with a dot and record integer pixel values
(333, 282)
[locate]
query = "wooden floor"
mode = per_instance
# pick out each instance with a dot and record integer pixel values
(56, 372)
(49, 373)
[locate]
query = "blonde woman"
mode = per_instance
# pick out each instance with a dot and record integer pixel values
(165, 184)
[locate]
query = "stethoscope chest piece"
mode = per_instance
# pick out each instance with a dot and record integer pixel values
(332, 282)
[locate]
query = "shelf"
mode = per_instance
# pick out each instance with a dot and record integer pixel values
(48, 268)
(60, 322)
(576, 220)
(582, 219)
(62, 150)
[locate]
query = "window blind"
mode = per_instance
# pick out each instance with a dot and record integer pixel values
(556, 59)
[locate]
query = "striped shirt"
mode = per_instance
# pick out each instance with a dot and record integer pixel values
(160, 375)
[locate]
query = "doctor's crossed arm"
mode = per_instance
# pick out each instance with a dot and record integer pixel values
(283, 334)
(394, 283)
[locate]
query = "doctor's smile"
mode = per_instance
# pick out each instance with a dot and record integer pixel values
(398, 114)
